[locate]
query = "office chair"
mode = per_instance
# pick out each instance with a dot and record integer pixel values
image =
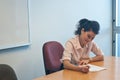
(7, 73)
(52, 53)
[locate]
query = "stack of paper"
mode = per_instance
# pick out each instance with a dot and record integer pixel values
(95, 68)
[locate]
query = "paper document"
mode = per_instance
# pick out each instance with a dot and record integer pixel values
(95, 68)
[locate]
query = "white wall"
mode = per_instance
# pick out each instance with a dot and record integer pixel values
(56, 20)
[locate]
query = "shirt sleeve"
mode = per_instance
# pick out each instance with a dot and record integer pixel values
(96, 50)
(67, 51)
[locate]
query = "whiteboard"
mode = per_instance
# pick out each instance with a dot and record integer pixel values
(14, 23)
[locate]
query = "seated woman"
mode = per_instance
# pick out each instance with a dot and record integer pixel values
(77, 49)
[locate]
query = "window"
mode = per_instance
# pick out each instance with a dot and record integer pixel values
(116, 28)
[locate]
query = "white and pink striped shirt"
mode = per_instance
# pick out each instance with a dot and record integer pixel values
(74, 52)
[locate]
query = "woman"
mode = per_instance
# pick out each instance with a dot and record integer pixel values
(77, 49)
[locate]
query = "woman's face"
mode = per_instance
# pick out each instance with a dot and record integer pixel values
(87, 37)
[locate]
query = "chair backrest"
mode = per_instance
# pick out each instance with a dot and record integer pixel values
(52, 53)
(7, 73)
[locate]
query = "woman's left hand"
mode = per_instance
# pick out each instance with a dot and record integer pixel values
(84, 62)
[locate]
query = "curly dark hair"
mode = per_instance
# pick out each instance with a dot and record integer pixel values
(87, 25)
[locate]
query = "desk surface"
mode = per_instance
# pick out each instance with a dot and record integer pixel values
(112, 72)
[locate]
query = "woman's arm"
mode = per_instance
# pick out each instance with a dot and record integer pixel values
(97, 58)
(98, 52)
(68, 65)
(85, 61)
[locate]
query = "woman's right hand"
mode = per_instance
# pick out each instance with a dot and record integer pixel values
(84, 68)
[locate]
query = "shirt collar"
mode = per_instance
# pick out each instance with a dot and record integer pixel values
(78, 46)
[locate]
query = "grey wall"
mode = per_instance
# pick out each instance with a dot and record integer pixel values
(56, 20)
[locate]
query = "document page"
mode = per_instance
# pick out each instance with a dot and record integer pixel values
(94, 68)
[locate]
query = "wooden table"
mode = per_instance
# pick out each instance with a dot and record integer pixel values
(112, 72)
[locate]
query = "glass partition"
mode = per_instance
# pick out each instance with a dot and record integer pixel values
(117, 44)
